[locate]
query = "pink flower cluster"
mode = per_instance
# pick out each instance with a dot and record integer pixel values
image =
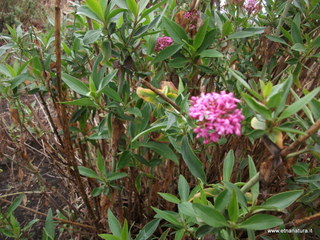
(217, 115)
(163, 42)
(252, 6)
(193, 16)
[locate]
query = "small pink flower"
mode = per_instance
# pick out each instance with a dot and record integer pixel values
(163, 42)
(252, 6)
(217, 115)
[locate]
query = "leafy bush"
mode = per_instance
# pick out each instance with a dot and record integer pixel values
(115, 121)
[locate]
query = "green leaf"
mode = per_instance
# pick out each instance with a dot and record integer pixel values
(109, 237)
(233, 208)
(227, 28)
(191, 160)
(261, 222)
(298, 47)
(133, 7)
(186, 209)
(257, 106)
(169, 197)
(170, 217)
(163, 149)
(147, 231)
(252, 173)
(200, 35)
(95, 7)
(86, 102)
(276, 39)
(14, 205)
(246, 33)
(87, 172)
(152, 129)
(283, 200)
(75, 84)
(167, 52)
(50, 225)
(183, 188)
(175, 31)
(91, 36)
(104, 82)
(222, 200)
(86, 11)
(112, 94)
(179, 234)
(211, 53)
(125, 232)
(298, 105)
(114, 224)
(116, 176)
(228, 164)
(296, 34)
(210, 215)
(151, 9)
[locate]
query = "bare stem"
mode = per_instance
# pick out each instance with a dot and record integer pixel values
(160, 94)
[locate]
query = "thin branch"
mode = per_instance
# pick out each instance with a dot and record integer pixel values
(54, 218)
(160, 94)
(298, 222)
(58, 46)
(292, 147)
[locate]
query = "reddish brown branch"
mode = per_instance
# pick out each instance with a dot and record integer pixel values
(58, 46)
(299, 222)
(160, 94)
(293, 147)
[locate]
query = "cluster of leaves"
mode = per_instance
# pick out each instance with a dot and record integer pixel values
(130, 141)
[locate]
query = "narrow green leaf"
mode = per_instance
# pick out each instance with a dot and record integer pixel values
(210, 215)
(133, 7)
(125, 231)
(75, 84)
(228, 164)
(114, 224)
(91, 36)
(296, 34)
(163, 149)
(246, 33)
(112, 94)
(14, 205)
(183, 188)
(95, 7)
(50, 225)
(186, 209)
(283, 200)
(86, 11)
(257, 106)
(167, 52)
(152, 129)
(191, 160)
(175, 31)
(298, 105)
(260, 222)
(200, 35)
(116, 176)
(233, 208)
(86, 102)
(87, 172)
(252, 173)
(276, 39)
(104, 82)
(170, 217)
(169, 197)
(109, 237)
(147, 231)
(211, 53)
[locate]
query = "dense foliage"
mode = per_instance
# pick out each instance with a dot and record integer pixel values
(168, 119)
